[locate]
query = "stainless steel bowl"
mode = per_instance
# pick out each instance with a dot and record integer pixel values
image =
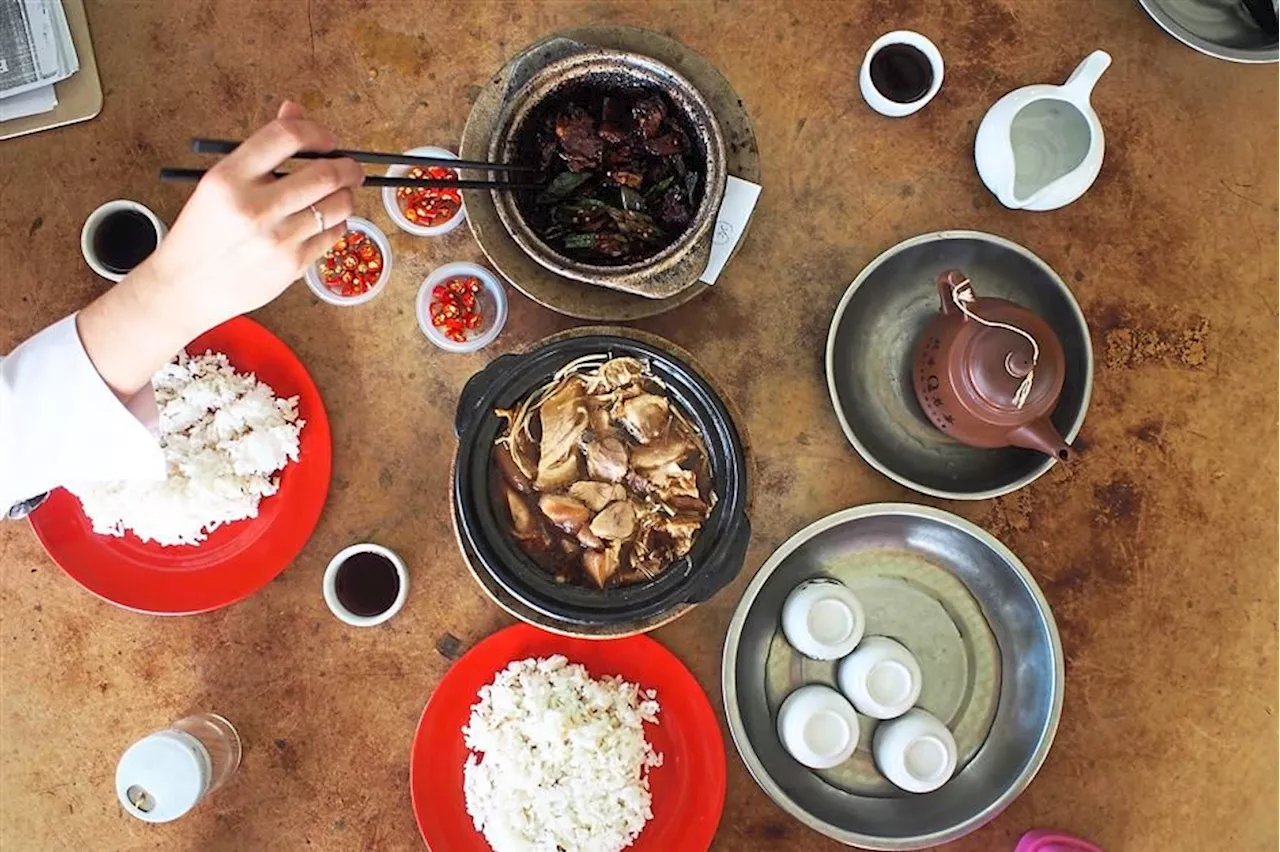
(1221, 28)
(674, 267)
(872, 339)
(988, 648)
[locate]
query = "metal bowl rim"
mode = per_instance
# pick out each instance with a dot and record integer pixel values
(838, 317)
(729, 685)
(1157, 13)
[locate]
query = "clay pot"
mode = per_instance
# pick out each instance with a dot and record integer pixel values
(562, 65)
(484, 534)
(982, 383)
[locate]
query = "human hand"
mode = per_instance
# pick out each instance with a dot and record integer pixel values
(241, 240)
(245, 236)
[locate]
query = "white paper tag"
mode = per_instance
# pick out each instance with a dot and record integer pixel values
(735, 211)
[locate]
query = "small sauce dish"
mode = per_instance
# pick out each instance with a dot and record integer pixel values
(373, 234)
(490, 301)
(915, 751)
(823, 619)
(118, 236)
(365, 584)
(818, 726)
(393, 202)
(881, 677)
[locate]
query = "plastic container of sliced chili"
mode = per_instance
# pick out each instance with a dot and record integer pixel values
(490, 301)
(397, 213)
(373, 233)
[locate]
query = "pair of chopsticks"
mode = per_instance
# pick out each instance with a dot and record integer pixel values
(226, 146)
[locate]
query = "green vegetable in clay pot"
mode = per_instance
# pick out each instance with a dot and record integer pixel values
(638, 225)
(606, 245)
(563, 186)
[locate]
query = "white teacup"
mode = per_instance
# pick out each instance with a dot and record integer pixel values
(883, 102)
(818, 727)
(881, 677)
(915, 751)
(823, 619)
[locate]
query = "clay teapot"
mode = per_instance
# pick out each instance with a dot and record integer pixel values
(988, 372)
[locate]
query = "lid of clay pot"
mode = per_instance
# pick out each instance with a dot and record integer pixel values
(991, 363)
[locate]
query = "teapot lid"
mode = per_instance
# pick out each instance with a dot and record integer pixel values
(1007, 361)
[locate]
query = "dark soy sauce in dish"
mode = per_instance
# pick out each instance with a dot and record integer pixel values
(367, 584)
(901, 73)
(123, 240)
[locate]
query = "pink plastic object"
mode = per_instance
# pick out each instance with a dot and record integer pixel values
(1053, 841)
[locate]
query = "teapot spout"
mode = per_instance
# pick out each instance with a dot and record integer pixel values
(1040, 436)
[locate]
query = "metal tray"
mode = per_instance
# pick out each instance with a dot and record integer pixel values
(988, 650)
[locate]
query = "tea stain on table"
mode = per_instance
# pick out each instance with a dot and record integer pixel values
(402, 53)
(1118, 500)
(1150, 431)
(1132, 336)
(449, 646)
(230, 86)
(385, 477)
(313, 100)
(770, 832)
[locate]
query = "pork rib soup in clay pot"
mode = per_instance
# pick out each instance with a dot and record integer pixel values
(603, 481)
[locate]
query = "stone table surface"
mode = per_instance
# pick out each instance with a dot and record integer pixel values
(1157, 551)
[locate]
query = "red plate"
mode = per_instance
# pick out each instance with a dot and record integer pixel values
(688, 789)
(236, 559)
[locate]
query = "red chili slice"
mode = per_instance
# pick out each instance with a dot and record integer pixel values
(429, 205)
(352, 266)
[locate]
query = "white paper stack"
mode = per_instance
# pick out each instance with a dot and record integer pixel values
(36, 51)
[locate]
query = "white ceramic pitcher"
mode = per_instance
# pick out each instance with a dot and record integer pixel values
(1040, 147)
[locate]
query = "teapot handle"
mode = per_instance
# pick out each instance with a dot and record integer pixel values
(947, 281)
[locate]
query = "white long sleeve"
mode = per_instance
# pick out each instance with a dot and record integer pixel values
(59, 422)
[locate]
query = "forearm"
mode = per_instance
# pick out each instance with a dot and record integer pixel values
(135, 328)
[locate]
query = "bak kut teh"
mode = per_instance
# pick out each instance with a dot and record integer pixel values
(603, 480)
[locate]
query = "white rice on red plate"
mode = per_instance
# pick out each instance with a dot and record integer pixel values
(560, 759)
(225, 436)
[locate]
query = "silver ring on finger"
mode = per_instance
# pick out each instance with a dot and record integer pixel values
(320, 228)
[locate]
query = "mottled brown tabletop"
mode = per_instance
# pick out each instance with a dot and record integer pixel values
(1157, 550)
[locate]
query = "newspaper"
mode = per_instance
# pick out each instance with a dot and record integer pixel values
(36, 51)
(34, 102)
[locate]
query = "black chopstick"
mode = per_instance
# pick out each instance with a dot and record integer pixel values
(226, 146)
(170, 174)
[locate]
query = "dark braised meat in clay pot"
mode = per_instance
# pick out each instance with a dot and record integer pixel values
(622, 178)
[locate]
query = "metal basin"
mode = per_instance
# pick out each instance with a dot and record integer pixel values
(869, 354)
(674, 267)
(988, 649)
(1221, 28)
